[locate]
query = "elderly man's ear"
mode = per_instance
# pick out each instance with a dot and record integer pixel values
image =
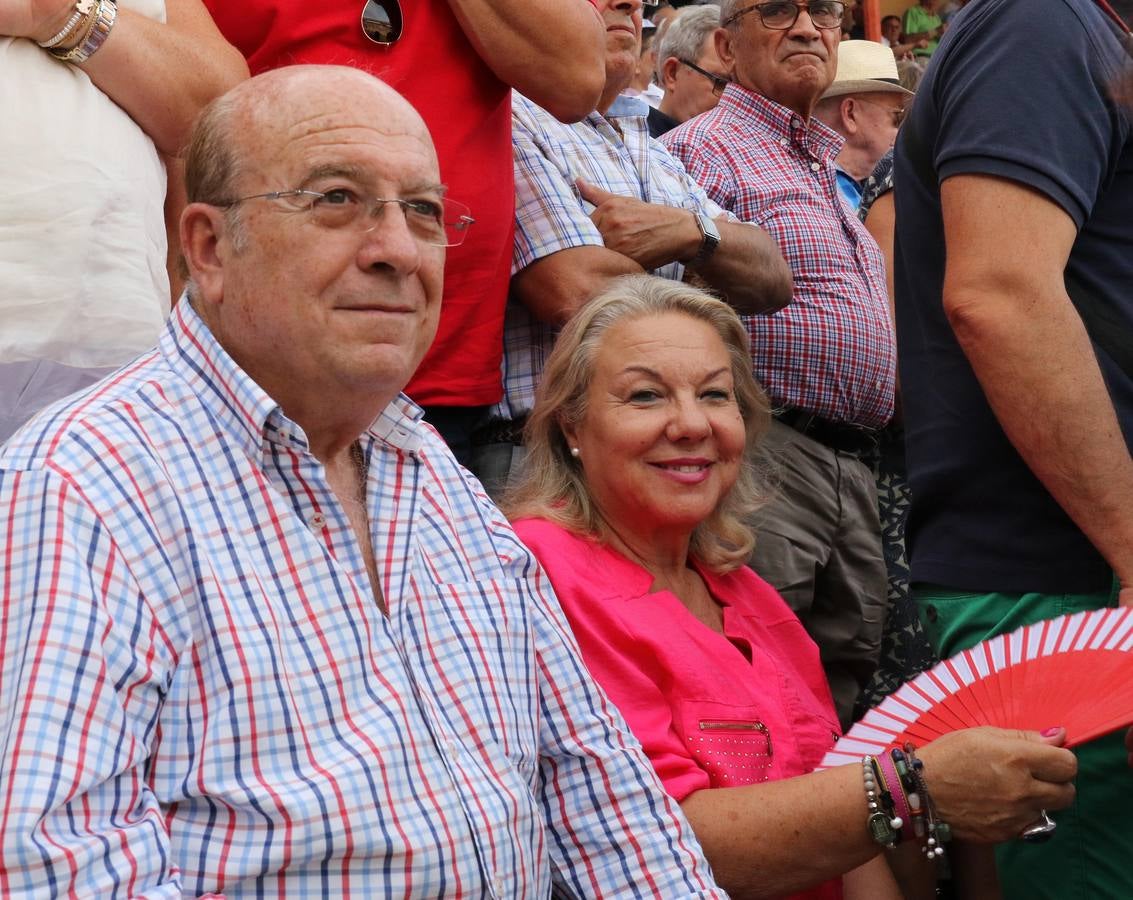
(726, 51)
(203, 229)
(669, 69)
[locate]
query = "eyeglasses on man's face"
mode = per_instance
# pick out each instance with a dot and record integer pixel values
(443, 223)
(781, 15)
(381, 21)
(719, 82)
(896, 113)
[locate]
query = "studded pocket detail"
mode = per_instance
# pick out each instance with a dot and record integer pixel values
(732, 751)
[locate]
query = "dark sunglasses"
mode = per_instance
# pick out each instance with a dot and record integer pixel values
(381, 21)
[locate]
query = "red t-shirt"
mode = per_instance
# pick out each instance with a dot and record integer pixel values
(468, 111)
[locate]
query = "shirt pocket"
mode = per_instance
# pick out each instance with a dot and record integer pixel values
(733, 744)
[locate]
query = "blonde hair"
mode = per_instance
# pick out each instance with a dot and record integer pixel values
(552, 485)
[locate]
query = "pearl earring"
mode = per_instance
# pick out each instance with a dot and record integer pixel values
(575, 452)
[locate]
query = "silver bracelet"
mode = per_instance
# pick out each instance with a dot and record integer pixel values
(95, 37)
(83, 8)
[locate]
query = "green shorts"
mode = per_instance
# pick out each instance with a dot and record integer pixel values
(1090, 856)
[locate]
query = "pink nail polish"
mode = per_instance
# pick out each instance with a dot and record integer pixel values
(1051, 732)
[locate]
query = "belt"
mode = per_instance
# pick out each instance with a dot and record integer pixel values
(844, 437)
(499, 431)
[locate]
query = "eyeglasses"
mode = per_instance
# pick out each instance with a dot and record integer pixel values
(897, 113)
(719, 82)
(381, 21)
(781, 15)
(443, 223)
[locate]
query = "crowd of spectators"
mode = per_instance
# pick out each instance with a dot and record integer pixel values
(795, 362)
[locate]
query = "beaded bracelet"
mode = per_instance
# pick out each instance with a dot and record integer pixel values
(83, 8)
(927, 824)
(884, 826)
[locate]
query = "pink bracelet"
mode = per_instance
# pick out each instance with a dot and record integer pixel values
(897, 792)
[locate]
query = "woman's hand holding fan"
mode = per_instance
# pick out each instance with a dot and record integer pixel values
(1062, 681)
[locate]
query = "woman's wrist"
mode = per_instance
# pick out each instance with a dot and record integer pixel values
(65, 26)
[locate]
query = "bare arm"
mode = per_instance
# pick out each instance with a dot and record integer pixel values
(161, 74)
(901, 50)
(747, 268)
(880, 222)
(871, 881)
(1029, 349)
(552, 51)
(776, 838)
(755, 836)
(556, 286)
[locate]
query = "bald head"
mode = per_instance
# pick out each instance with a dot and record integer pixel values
(252, 116)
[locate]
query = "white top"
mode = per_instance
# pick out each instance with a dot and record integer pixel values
(82, 229)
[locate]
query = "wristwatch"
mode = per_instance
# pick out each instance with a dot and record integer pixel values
(709, 239)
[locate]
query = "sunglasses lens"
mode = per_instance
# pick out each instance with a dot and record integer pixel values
(381, 21)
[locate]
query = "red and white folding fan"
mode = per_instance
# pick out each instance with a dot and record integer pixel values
(1075, 671)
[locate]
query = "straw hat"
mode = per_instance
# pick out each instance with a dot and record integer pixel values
(865, 67)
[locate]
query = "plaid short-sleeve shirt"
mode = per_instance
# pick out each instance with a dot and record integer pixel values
(831, 351)
(614, 152)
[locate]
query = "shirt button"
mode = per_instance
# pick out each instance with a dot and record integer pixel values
(815, 166)
(784, 142)
(318, 520)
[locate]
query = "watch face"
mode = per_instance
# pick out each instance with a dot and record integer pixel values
(709, 238)
(711, 232)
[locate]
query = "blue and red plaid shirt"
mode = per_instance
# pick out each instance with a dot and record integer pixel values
(199, 692)
(831, 351)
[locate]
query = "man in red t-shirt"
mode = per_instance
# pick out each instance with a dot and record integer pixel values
(456, 62)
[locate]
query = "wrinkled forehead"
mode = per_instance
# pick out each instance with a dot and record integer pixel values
(352, 115)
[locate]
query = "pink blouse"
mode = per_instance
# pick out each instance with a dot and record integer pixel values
(705, 714)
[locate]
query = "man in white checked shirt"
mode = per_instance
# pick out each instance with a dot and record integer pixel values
(595, 200)
(260, 633)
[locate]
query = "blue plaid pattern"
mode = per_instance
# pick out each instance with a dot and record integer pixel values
(199, 693)
(831, 351)
(614, 152)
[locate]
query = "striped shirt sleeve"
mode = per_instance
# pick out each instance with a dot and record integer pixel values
(84, 663)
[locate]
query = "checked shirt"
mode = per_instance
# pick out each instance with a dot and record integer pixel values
(199, 693)
(831, 351)
(615, 153)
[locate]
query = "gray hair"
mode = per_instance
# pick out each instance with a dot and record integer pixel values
(552, 484)
(685, 37)
(729, 8)
(212, 165)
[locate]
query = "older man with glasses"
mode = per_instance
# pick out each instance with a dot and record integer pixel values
(456, 61)
(262, 635)
(828, 359)
(866, 105)
(688, 69)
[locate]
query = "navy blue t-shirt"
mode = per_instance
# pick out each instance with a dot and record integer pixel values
(1017, 89)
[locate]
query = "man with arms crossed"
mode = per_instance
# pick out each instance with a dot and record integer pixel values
(599, 199)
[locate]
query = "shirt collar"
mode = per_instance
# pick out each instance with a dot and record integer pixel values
(243, 409)
(824, 142)
(624, 106)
